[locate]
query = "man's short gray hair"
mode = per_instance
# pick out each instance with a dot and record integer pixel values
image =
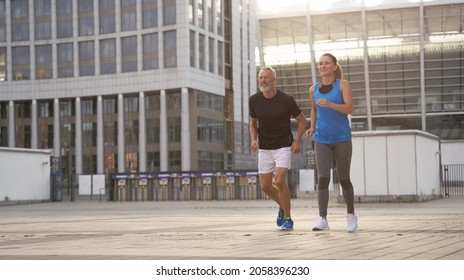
(264, 68)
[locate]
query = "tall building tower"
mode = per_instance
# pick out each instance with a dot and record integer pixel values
(112, 86)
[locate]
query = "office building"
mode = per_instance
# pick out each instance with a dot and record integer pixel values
(118, 86)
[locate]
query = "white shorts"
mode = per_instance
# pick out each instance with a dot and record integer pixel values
(268, 160)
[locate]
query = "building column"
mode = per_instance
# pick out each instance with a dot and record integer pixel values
(56, 129)
(11, 125)
(366, 69)
(163, 132)
(78, 137)
(100, 139)
(34, 125)
(121, 140)
(142, 134)
(423, 107)
(185, 130)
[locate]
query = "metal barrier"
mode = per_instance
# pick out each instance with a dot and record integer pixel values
(452, 180)
(243, 185)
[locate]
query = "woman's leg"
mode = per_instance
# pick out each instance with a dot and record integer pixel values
(343, 152)
(324, 158)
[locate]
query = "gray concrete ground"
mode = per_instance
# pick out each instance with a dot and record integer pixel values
(218, 230)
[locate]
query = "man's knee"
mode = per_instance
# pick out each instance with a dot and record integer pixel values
(266, 187)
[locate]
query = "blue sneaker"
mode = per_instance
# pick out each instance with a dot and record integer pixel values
(288, 224)
(280, 217)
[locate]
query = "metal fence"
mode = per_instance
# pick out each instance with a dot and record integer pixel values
(452, 182)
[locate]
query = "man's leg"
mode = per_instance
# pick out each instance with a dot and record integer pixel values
(283, 190)
(265, 181)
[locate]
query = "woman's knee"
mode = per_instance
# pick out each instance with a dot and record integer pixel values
(346, 184)
(323, 183)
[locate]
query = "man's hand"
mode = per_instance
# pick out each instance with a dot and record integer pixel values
(254, 146)
(296, 147)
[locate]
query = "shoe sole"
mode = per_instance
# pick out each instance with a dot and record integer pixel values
(287, 229)
(320, 229)
(355, 229)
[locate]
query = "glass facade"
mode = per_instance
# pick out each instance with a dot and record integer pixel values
(405, 69)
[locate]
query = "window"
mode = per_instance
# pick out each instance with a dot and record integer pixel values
(200, 8)
(45, 123)
(170, 49)
(3, 64)
(153, 161)
(86, 58)
(64, 21)
(175, 160)
(131, 132)
(211, 55)
(210, 101)
(43, 61)
(211, 18)
(201, 51)
(45, 109)
(20, 20)
(43, 19)
(85, 17)
(129, 54)
(131, 104)
(110, 106)
(21, 63)
(210, 130)
(108, 56)
(219, 17)
(150, 51)
(107, 16)
(65, 60)
(191, 12)
(89, 107)
(4, 136)
(220, 58)
(169, 12)
(150, 13)
(67, 108)
(192, 48)
(2, 21)
(213, 161)
(128, 15)
(174, 129)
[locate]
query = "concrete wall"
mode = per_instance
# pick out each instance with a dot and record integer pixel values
(24, 175)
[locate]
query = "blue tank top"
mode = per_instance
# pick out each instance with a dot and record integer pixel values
(331, 126)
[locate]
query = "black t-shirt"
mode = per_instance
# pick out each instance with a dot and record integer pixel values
(274, 115)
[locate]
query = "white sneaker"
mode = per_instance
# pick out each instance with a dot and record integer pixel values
(321, 224)
(352, 223)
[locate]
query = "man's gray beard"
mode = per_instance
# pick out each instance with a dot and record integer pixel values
(266, 89)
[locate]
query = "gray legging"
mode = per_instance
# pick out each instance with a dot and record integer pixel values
(325, 153)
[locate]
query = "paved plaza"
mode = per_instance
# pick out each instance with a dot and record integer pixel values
(232, 229)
